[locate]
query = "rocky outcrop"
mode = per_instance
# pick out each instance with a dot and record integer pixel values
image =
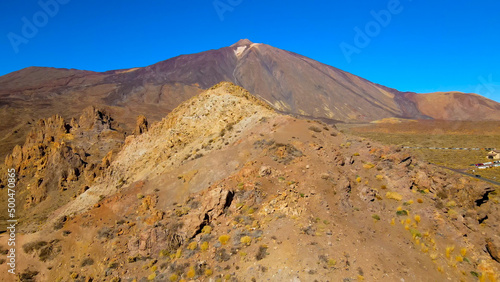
(493, 250)
(213, 205)
(95, 119)
(141, 125)
(60, 157)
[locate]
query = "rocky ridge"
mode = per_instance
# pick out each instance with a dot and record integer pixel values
(225, 188)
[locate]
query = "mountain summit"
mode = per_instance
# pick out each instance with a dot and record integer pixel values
(289, 82)
(242, 42)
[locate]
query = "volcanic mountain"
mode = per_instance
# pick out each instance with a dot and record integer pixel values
(289, 82)
(224, 188)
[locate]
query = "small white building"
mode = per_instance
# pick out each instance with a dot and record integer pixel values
(494, 155)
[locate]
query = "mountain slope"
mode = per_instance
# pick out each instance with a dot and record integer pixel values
(226, 188)
(456, 106)
(288, 81)
(291, 83)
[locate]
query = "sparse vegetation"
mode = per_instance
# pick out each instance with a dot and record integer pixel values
(33, 246)
(368, 165)
(262, 252)
(106, 233)
(87, 261)
(394, 195)
(401, 212)
(113, 265)
(223, 239)
(449, 250)
(417, 218)
(191, 273)
(415, 233)
(315, 129)
(60, 222)
(204, 246)
(439, 134)
(222, 255)
(192, 246)
(28, 275)
(207, 229)
(332, 263)
(246, 240)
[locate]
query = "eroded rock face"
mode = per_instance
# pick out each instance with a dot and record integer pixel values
(147, 243)
(95, 119)
(141, 125)
(62, 158)
(211, 207)
(493, 250)
(344, 188)
(265, 171)
(422, 180)
(368, 194)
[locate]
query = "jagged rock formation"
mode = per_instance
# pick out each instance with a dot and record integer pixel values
(204, 124)
(226, 188)
(141, 125)
(95, 120)
(60, 160)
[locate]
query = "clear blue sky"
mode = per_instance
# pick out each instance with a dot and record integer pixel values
(424, 47)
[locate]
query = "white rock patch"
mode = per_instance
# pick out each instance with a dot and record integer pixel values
(240, 50)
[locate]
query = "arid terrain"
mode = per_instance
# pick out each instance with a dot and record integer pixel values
(289, 82)
(423, 135)
(175, 172)
(226, 188)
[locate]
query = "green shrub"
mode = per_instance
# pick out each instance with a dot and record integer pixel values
(401, 212)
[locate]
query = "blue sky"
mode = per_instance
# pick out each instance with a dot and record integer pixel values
(410, 45)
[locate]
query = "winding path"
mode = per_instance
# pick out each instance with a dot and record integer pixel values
(471, 175)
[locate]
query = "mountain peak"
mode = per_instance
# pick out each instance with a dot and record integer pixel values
(226, 87)
(242, 42)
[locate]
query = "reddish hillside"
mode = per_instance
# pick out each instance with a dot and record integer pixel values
(456, 106)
